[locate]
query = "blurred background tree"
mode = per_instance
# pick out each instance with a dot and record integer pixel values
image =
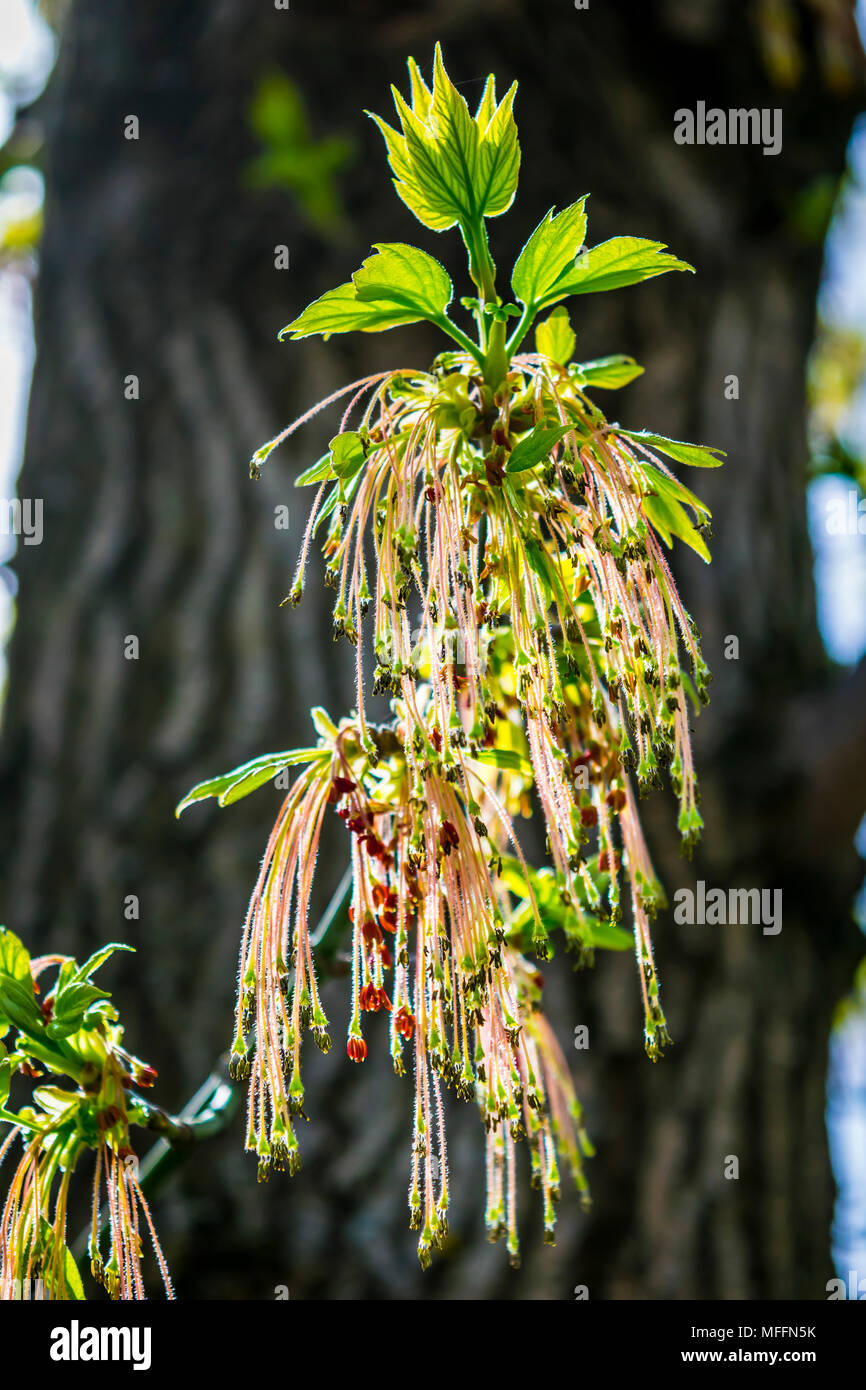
(158, 262)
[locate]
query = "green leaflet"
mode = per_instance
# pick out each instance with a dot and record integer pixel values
(399, 284)
(498, 153)
(18, 1004)
(340, 311)
(555, 914)
(607, 936)
(323, 723)
(231, 786)
(404, 276)
(624, 260)
(70, 1006)
(607, 372)
(537, 558)
(68, 1285)
(695, 455)
(99, 958)
(548, 254)
(669, 519)
(449, 167)
(319, 472)
(672, 489)
(347, 455)
(14, 957)
(505, 759)
(535, 446)
(555, 338)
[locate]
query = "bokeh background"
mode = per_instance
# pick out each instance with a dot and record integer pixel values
(155, 257)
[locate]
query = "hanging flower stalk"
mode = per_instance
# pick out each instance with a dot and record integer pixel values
(72, 1033)
(526, 625)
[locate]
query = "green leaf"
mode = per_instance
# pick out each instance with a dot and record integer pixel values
(70, 1006)
(99, 958)
(448, 166)
(624, 260)
(18, 1003)
(5, 1075)
(695, 455)
(538, 562)
(555, 338)
(14, 958)
(407, 278)
(348, 455)
(505, 759)
(535, 446)
(672, 489)
(340, 311)
(398, 285)
(320, 472)
(69, 1285)
(324, 724)
(498, 152)
(669, 519)
(548, 254)
(231, 786)
(607, 372)
(607, 936)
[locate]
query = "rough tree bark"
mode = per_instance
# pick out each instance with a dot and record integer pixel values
(158, 261)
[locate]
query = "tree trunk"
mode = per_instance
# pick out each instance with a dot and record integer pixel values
(158, 262)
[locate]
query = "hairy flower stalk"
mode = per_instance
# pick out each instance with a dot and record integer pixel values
(526, 626)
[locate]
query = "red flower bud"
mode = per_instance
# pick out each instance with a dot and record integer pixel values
(404, 1022)
(357, 1049)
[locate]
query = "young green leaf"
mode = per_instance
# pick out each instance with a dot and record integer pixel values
(669, 519)
(99, 958)
(672, 489)
(498, 152)
(62, 1278)
(14, 958)
(624, 260)
(535, 446)
(450, 167)
(549, 254)
(340, 311)
(347, 454)
(608, 372)
(320, 472)
(324, 724)
(505, 759)
(231, 786)
(399, 284)
(695, 455)
(405, 277)
(18, 1004)
(555, 338)
(70, 1006)
(607, 936)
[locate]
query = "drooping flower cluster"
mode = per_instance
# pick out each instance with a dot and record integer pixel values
(73, 1032)
(526, 626)
(431, 944)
